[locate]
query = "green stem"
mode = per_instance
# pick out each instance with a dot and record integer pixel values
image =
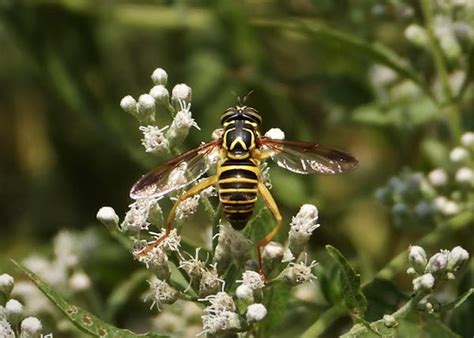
(438, 55)
(469, 75)
(448, 101)
(325, 320)
(359, 329)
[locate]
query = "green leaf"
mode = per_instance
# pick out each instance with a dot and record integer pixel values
(412, 326)
(350, 283)
(277, 303)
(121, 294)
(431, 327)
(458, 301)
(383, 297)
(81, 318)
(461, 317)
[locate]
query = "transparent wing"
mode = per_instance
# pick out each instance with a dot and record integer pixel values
(176, 173)
(307, 158)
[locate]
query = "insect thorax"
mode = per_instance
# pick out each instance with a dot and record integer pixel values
(240, 130)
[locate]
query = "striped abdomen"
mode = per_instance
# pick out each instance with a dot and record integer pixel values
(237, 180)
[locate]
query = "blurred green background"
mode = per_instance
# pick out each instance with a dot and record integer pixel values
(66, 147)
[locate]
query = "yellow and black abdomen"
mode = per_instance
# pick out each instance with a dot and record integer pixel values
(237, 181)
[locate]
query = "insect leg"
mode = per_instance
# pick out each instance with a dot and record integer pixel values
(169, 221)
(270, 203)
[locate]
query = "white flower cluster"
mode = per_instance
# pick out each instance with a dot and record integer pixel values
(136, 219)
(161, 293)
(232, 250)
(12, 321)
(302, 227)
(220, 316)
(64, 270)
(205, 279)
(441, 265)
(450, 32)
(299, 273)
(416, 199)
(155, 139)
(231, 244)
(250, 288)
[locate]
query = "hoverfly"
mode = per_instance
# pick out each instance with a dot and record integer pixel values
(239, 150)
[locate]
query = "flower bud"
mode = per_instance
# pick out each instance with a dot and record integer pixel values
(146, 108)
(231, 244)
(155, 214)
(256, 312)
(160, 94)
(456, 258)
(438, 177)
(79, 281)
(182, 122)
(417, 258)
(298, 273)
(161, 293)
(381, 76)
(108, 217)
(136, 218)
(245, 293)
(467, 139)
(465, 176)
(423, 209)
(417, 35)
(389, 321)
(14, 311)
(156, 260)
(424, 282)
(301, 228)
(253, 280)
(6, 284)
(445, 206)
(450, 46)
(384, 195)
(450, 276)
(402, 215)
(272, 255)
(187, 207)
(159, 76)
(276, 134)
(210, 283)
(223, 257)
(438, 263)
(181, 92)
(129, 104)
(31, 327)
(459, 155)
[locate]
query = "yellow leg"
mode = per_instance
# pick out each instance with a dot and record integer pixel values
(169, 221)
(270, 203)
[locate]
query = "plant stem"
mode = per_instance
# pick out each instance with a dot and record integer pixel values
(448, 102)
(401, 313)
(468, 75)
(325, 320)
(436, 236)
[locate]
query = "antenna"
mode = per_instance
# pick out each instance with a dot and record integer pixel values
(241, 101)
(246, 96)
(238, 98)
